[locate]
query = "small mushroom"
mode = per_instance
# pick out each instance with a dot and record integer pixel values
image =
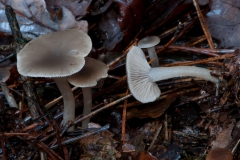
(149, 43)
(219, 154)
(86, 78)
(4, 75)
(141, 77)
(56, 55)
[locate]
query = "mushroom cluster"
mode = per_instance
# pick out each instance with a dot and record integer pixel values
(60, 55)
(141, 77)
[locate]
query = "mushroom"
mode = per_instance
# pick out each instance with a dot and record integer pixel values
(219, 154)
(149, 43)
(4, 75)
(56, 55)
(141, 77)
(86, 78)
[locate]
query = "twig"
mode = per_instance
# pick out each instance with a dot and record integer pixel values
(166, 138)
(6, 58)
(30, 127)
(204, 25)
(3, 148)
(196, 41)
(117, 60)
(47, 151)
(53, 102)
(124, 115)
(28, 86)
(188, 63)
(78, 120)
(154, 138)
(177, 35)
(212, 52)
(50, 150)
(171, 31)
(15, 134)
(235, 147)
(32, 19)
(71, 140)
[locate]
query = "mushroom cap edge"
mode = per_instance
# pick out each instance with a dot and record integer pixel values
(140, 85)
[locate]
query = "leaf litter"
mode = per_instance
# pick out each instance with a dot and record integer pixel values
(184, 123)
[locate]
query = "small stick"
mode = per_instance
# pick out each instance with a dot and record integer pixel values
(114, 77)
(214, 52)
(51, 151)
(30, 127)
(21, 106)
(154, 138)
(71, 140)
(15, 134)
(3, 148)
(48, 136)
(78, 120)
(188, 63)
(177, 35)
(196, 41)
(235, 147)
(47, 151)
(125, 51)
(124, 115)
(166, 127)
(28, 86)
(203, 24)
(7, 57)
(53, 102)
(170, 31)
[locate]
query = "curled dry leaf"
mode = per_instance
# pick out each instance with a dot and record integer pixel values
(77, 7)
(109, 25)
(119, 24)
(223, 137)
(100, 7)
(34, 19)
(223, 22)
(153, 110)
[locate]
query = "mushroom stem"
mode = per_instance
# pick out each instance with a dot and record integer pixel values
(161, 73)
(11, 101)
(87, 100)
(152, 55)
(68, 100)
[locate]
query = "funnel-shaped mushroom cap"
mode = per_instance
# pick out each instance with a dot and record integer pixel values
(140, 85)
(148, 42)
(54, 55)
(4, 74)
(92, 71)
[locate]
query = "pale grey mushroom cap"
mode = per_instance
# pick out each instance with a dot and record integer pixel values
(148, 42)
(4, 74)
(139, 82)
(57, 54)
(88, 76)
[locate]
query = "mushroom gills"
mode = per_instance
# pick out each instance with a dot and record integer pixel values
(142, 78)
